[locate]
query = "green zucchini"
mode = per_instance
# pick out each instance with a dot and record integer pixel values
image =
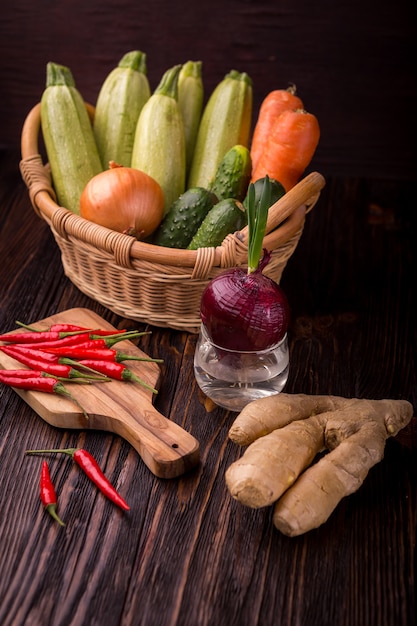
(184, 217)
(159, 144)
(190, 100)
(277, 191)
(224, 218)
(119, 103)
(233, 175)
(225, 122)
(68, 136)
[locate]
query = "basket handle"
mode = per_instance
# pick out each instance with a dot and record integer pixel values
(305, 193)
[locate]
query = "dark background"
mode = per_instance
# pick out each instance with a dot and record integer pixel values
(352, 61)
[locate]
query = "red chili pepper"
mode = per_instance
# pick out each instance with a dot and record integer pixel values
(92, 469)
(45, 384)
(48, 494)
(75, 340)
(53, 368)
(70, 328)
(38, 383)
(99, 332)
(102, 354)
(8, 376)
(95, 342)
(45, 338)
(36, 337)
(115, 370)
(70, 340)
(66, 328)
(35, 353)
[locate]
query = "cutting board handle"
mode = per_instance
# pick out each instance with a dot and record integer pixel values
(165, 447)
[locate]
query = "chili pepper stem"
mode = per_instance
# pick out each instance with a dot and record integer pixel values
(147, 359)
(27, 327)
(128, 375)
(68, 451)
(110, 340)
(52, 512)
(63, 391)
(122, 356)
(74, 373)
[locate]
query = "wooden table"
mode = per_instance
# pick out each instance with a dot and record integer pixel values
(186, 553)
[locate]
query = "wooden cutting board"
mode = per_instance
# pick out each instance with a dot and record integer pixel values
(120, 407)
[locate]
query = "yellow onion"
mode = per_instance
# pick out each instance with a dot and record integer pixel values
(123, 199)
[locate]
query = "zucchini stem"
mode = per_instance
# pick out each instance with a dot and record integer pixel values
(168, 85)
(134, 60)
(57, 75)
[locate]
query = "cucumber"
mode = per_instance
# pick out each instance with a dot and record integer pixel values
(184, 217)
(224, 218)
(233, 175)
(159, 144)
(190, 100)
(225, 122)
(277, 191)
(119, 103)
(68, 136)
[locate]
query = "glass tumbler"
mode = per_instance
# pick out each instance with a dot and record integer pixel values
(233, 378)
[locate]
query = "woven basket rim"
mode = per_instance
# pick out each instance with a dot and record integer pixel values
(286, 217)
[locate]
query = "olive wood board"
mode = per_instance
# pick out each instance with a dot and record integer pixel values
(121, 407)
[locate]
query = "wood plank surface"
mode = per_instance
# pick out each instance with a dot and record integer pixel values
(186, 553)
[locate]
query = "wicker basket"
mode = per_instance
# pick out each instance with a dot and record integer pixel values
(143, 282)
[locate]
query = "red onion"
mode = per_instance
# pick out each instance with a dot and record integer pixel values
(245, 311)
(241, 308)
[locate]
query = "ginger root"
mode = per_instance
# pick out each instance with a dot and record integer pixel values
(285, 434)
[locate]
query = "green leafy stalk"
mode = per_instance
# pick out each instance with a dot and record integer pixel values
(257, 211)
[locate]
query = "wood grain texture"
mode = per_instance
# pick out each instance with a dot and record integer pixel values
(186, 553)
(353, 63)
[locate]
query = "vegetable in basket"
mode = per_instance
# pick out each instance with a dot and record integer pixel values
(274, 103)
(184, 218)
(225, 122)
(159, 144)
(224, 218)
(68, 135)
(233, 174)
(190, 101)
(119, 103)
(289, 148)
(123, 199)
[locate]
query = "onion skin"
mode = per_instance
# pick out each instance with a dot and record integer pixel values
(244, 311)
(125, 200)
